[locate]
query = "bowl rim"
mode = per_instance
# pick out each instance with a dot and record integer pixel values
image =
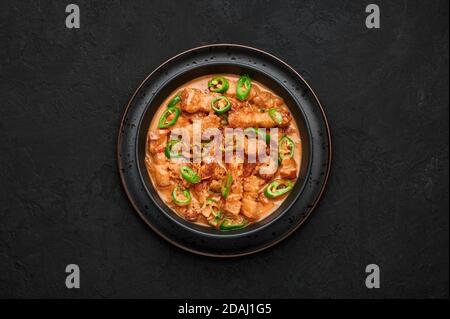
(208, 231)
(284, 235)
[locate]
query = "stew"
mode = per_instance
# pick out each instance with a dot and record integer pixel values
(212, 191)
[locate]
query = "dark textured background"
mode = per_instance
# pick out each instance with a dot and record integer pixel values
(62, 95)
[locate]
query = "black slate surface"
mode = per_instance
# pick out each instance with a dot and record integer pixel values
(62, 95)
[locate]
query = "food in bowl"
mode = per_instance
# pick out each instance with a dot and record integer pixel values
(223, 151)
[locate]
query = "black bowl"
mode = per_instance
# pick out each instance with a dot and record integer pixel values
(264, 68)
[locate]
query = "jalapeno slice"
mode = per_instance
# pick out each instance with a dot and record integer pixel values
(286, 148)
(169, 117)
(220, 104)
(277, 188)
(275, 116)
(190, 175)
(226, 187)
(218, 84)
(168, 150)
(181, 196)
(243, 86)
(265, 136)
(231, 224)
(175, 100)
(215, 221)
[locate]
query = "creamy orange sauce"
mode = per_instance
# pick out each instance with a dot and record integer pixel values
(154, 159)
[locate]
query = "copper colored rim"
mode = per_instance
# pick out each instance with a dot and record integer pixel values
(287, 234)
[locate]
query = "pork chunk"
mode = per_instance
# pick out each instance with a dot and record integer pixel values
(288, 168)
(157, 141)
(267, 100)
(251, 186)
(161, 174)
(194, 100)
(233, 204)
(248, 117)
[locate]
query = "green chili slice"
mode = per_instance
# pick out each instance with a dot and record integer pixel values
(275, 116)
(286, 148)
(243, 86)
(220, 104)
(226, 187)
(168, 151)
(175, 100)
(215, 221)
(277, 188)
(182, 199)
(190, 175)
(265, 136)
(218, 84)
(169, 117)
(230, 224)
